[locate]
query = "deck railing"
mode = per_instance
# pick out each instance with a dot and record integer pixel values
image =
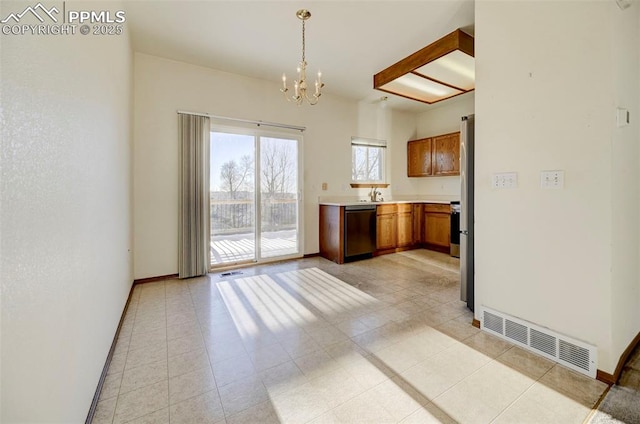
(238, 216)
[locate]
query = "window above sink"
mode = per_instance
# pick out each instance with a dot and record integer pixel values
(367, 160)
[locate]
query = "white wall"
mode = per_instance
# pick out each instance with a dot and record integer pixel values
(403, 129)
(379, 121)
(545, 99)
(625, 181)
(66, 217)
(163, 87)
(442, 119)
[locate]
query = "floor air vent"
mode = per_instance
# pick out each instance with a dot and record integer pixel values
(227, 274)
(572, 353)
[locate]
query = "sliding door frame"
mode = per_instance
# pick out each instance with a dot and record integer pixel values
(257, 134)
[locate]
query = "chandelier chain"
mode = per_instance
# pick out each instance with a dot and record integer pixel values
(303, 41)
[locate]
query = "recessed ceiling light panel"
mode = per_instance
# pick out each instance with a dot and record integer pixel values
(443, 69)
(456, 68)
(419, 88)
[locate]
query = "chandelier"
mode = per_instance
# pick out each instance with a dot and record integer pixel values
(300, 85)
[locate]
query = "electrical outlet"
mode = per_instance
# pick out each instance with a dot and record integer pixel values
(552, 179)
(504, 180)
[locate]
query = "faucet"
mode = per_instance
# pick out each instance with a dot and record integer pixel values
(374, 194)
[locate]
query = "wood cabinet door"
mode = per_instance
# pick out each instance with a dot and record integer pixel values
(446, 154)
(332, 233)
(386, 231)
(417, 223)
(437, 228)
(419, 158)
(405, 229)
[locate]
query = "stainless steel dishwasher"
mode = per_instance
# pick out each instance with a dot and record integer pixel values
(359, 231)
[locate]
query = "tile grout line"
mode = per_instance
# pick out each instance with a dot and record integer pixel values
(117, 396)
(460, 381)
(151, 384)
(523, 393)
(166, 338)
(520, 396)
(210, 282)
(194, 396)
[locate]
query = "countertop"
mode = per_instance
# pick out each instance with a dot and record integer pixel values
(367, 202)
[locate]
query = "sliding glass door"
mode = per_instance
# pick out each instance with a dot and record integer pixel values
(255, 200)
(232, 198)
(278, 196)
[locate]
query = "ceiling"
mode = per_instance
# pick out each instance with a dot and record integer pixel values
(349, 41)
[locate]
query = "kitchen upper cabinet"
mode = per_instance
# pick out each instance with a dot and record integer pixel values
(437, 226)
(405, 225)
(434, 156)
(446, 154)
(419, 157)
(386, 227)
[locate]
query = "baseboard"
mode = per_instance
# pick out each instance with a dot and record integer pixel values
(475, 323)
(605, 377)
(437, 248)
(394, 250)
(103, 376)
(154, 279)
(311, 255)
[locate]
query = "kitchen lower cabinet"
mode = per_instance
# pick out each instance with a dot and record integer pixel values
(405, 225)
(386, 227)
(437, 227)
(399, 226)
(417, 223)
(332, 233)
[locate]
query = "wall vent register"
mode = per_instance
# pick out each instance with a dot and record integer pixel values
(572, 353)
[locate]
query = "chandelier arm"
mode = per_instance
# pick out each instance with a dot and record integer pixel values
(314, 101)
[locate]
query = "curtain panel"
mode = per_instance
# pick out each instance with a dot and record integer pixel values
(193, 251)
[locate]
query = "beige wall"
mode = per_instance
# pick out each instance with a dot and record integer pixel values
(162, 87)
(545, 100)
(66, 218)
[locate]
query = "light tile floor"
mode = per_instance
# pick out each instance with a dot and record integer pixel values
(383, 340)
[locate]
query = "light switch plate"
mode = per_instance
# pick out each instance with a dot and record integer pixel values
(552, 179)
(504, 180)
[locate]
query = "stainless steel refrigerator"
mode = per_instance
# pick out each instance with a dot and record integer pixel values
(466, 210)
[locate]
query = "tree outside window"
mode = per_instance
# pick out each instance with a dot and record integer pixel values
(367, 157)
